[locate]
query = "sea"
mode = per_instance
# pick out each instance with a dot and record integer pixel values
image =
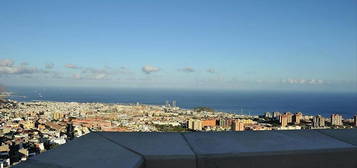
(240, 102)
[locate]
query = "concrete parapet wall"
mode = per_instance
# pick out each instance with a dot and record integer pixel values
(248, 149)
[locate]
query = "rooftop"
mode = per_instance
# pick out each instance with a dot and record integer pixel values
(248, 149)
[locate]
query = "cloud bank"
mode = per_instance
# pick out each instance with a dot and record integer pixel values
(8, 67)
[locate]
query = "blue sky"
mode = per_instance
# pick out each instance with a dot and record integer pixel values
(259, 44)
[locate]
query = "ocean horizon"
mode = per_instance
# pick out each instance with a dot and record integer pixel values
(240, 102)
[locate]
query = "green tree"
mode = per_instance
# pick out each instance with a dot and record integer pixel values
(202, 108)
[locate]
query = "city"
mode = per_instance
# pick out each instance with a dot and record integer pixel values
(178, 84)
(30, 128)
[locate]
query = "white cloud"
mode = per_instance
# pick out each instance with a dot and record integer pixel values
(95, 71)
(6, 62)
(150, 69)
(187, 70)
(72, 66)
(100, 76)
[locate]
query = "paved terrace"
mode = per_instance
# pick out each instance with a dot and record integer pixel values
(249, 149)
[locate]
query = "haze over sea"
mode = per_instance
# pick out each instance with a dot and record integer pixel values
(246, 102)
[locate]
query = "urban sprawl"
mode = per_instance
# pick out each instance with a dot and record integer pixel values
(30, 128)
